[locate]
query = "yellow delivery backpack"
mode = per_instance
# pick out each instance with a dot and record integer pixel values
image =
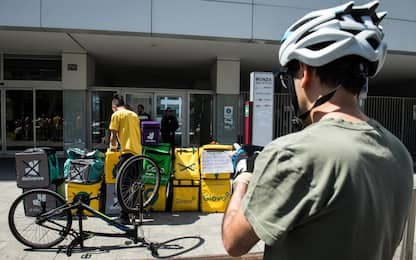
(73, 188)
(185, 195)
(215, 195)
(212, 154)
(186, 166)
(111, 159)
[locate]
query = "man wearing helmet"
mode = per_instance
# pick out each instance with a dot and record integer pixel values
(341, 187)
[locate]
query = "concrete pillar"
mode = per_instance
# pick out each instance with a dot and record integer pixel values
(77, 76)
(225, 78)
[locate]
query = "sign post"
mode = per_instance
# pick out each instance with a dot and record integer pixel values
(262, 96)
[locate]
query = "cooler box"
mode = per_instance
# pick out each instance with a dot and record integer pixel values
(159, 201)
(161, 155)
(36, 168)
(215, 195)
(185, 195)
(111, 159)
(112, 207)
(93, 190)
(150, 133)
(33, 204)
(215, 161)
(186, 165)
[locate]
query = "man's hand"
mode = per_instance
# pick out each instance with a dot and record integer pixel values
(245, 163)
(113, 141)
(243, 177)
(238, 235)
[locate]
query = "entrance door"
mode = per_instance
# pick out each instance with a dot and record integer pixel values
(176, 103)
(145, 99)
(200, 119)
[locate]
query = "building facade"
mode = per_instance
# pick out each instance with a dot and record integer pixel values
(61, 62)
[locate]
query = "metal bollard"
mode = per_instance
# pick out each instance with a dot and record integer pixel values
(409, 233)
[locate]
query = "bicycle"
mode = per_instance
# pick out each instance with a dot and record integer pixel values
(42, 218)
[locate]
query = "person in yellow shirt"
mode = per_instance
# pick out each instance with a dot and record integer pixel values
(124, 130)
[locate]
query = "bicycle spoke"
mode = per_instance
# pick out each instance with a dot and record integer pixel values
(130, 182)
(39, 230)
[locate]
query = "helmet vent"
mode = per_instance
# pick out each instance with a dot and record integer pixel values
(321, 45)
(354, 32)
(373, 42)
(357, 18)
(296, 26)
(303, 36)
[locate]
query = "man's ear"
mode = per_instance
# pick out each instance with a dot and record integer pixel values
(306, 73)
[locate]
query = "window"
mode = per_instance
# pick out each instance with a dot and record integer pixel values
(47, 68)
(19, 119)
(49, 119)
(176, 104)
(200, 119)
(101, 115)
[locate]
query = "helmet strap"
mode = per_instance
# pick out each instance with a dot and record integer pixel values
(298, 121)
(317, 103)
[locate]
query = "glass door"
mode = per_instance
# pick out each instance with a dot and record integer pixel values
(19, 119)
(176, 104)
(100, 118)
(133, 100)
(200, 119)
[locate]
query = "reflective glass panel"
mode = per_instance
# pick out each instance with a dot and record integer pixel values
(200, 119)
(74, 125)
(19, 119)
(100, 120)
(176, 104)
(49, 119)
(46, 68)
(144, 99)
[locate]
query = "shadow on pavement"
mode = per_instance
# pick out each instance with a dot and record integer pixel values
(7, 169)
(164, 250)
(172, 218)
(177, 246)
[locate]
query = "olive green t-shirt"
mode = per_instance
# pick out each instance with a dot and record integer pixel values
(336, 190)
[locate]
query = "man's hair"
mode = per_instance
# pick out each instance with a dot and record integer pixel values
(117, 101)
(350, 72)
(140, 106)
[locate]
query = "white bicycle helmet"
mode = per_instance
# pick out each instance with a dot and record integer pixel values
(323, 36)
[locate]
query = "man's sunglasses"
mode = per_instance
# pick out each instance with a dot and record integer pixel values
(286, 75)
(285, 78)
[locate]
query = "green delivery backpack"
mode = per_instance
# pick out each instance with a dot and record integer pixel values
(83, 167)
(161, 154)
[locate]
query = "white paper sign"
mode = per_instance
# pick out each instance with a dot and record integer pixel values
(216, 162)
(262, 96)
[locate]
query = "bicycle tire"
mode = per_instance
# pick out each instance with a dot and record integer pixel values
(130, 180)
(36, 211)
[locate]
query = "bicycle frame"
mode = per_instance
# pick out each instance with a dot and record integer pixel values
(81, 235)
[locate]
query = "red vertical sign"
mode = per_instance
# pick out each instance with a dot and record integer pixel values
(248, 119)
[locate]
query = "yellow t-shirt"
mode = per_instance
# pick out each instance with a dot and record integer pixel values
(127, 125)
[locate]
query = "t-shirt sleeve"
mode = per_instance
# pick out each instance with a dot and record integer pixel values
(114, 123)
(277, 197)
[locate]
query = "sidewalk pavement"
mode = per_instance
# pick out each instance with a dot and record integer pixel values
(195, 235)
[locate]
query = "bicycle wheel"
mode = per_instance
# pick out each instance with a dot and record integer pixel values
(130, 183)
(40, 218)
